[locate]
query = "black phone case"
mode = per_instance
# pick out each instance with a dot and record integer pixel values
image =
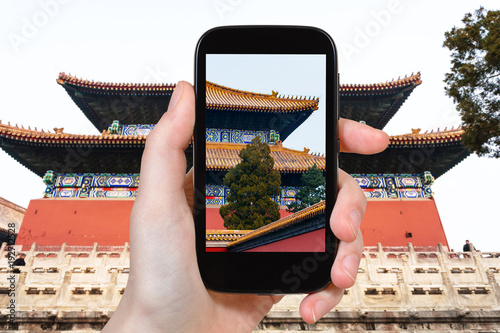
(265, 272)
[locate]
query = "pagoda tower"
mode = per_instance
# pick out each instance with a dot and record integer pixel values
(76, 236)
(92, 179)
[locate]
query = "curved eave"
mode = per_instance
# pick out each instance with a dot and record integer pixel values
(145, 103)
(79, 159)
(436, 157)
(71, 140)
(71, 153)
(74, 158)
(221, 97)
(376, 89)
(41, 151)
(344, 89)
(116, 88)
(63, 152)
(237, 109)
(376, 103)
(376, 109)
(130, 103)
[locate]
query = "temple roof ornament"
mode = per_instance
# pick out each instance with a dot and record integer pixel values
(380, 88)
(115, 87)
(344, 88)
(439, 137)
(43, 137)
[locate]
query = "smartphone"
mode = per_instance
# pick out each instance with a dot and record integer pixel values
(265, 158)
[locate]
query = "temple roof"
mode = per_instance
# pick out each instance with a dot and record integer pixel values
(222, 156)
(377, 89)
(133, 103)
(415, 152)
(61, 152)
(40, 151)
(243, 110)
(130, 103)
(376, 103)
(221, 97)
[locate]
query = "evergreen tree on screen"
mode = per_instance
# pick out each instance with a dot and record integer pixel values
(312, 190)
(252, 184)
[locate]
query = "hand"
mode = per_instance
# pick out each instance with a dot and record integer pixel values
(165, 292)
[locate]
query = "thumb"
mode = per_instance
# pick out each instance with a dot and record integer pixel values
(163, 165)
(161, 207)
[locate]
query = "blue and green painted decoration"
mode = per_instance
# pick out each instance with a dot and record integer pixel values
(117, 185)
(212, 134)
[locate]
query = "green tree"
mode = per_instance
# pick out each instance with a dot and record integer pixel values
(312, 190)
(252, 183)
(474, 81)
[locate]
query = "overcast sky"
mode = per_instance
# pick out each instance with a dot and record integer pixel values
(152, 41)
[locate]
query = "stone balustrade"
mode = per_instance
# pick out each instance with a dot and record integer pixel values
(66, 280)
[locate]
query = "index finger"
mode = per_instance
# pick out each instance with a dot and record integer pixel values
(359, 138)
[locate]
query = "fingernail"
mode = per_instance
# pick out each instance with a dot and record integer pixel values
(176, 95)
(350, 264)
(320, 309)
(354, 221)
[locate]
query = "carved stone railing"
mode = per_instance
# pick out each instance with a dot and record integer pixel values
(59, 282)
(405, 289)
(66, 277)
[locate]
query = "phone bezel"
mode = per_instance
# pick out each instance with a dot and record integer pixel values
(265, 272)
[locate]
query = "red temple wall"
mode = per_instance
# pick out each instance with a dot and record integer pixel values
(313, 241)
(388, 221)
(216, 249)
(106, 221)
(76, 222)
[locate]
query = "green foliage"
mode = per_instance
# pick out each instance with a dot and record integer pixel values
(312, 190)
(474, 81)
(252, 183)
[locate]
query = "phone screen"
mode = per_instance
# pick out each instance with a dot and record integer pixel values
(266, 120)
(265, 154)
